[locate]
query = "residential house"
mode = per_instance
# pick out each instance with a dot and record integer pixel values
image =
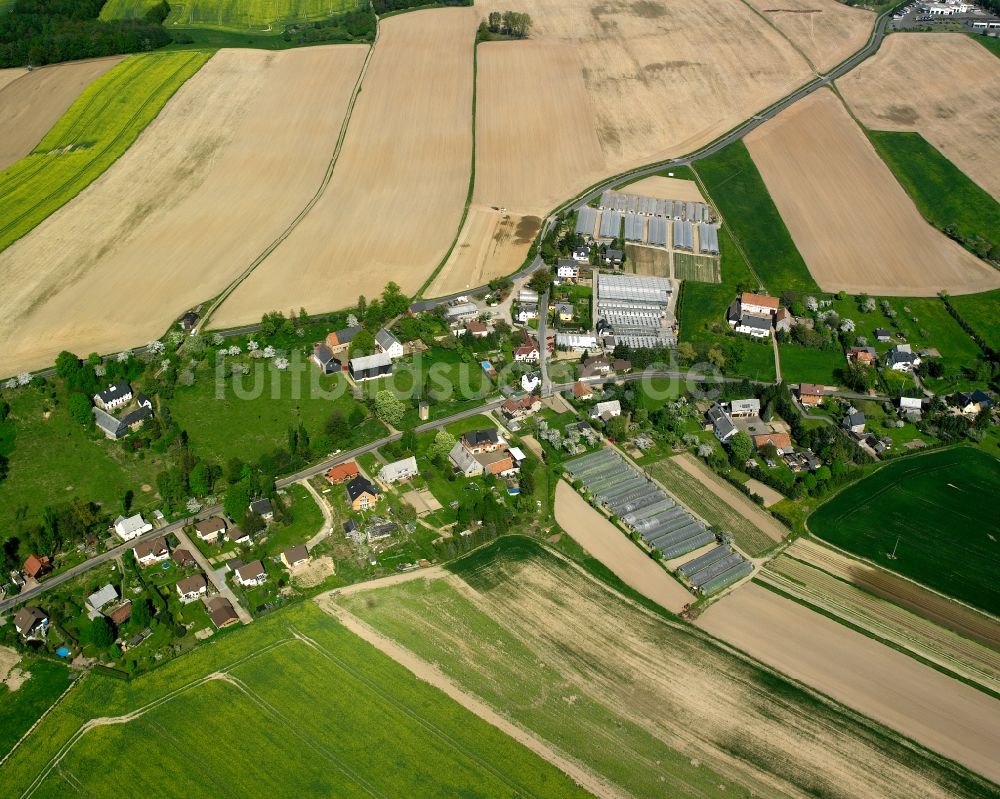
(121, 614)
(783, 320)
(370, 367)
(499, 464)
(263, 508)
(480, 441)
(854, 421)
(31, 621)
(862, 355)
(754, 314)
(117, 395)
(744, 408)
(183, 558)
(613, 257)
(325, 359)
(621, 365)
(295, 556)
(972, 403)
(568, 268)
(521, 408)
(722, 425)
(581, 254)
(131, 527)
(36, 566)
(902, 359)
(598, 365)
(342, 472)
(238, 535)
(531, 381)
(189, 321)
(464, 461)
(461, 310)
(782, 442)
(526, 312)
(388, 344)
(362, 494)
(101, 597)
(119, 428)
(221, 612)
(396, 471)
(339, 341)
(882, 335)
(153, 551)
(758, 304)
(582, 391)
(526, 353)
(754, 326)
(209, 530)
(351, 530)
(251, 574)
(565, 311)
(477, 329)
(911, 408)
(191, 588)
(605, 411)
(811, 394)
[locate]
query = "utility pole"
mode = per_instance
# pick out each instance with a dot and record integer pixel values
(892, 555)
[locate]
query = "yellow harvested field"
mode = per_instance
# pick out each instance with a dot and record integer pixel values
(224, 168)
(937, 711)
(400, 183)
(32, 102)
(613, 548)
(665, 188)
(855, 226)
(827, 31)
(945, 87)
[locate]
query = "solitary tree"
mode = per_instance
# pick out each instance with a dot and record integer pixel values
(389, 408)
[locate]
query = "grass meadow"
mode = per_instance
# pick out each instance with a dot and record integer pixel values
(21, 708)
(941, 507)
(810, 365)
(739, 193)
(981, 311)
(293, 706)
(96, 130)
(943, 193)
(238, 15)
(993, 45)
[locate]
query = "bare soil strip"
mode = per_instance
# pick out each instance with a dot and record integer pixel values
(855, 226)
(32, 102)
(937, 711)
(400, 183)
(941, 610)
(230, 160)
(945, 87)
(611, 547)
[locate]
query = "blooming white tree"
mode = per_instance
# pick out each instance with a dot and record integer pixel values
(165, 363)
(847, 326)
(175, 337)
(193, 505)
(861, 341)
(24, 378)
(12, 383)
(690, 440)
(269, 351)
(812, 304)
(217, 339)
(234, 350)
(352, 320)
(100, 370)
(281, 364)
(123, 356)
(155, 347)
(868, 305)
(252, 346)
(705, 450)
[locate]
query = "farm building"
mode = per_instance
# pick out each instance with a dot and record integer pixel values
(683, 235)
(637, 307)
(388, 344)
(340, 340)
(744, 408)
(716, 569)
(117, 395)
(325, 359)
(370, 367)
(611, 225)
(656, 233)
(634, 228)
(576, 341)
(461, 310)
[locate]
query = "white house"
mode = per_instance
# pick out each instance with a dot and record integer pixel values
(526, 354)
(526, 312)
(722, 425)
(190, 588)
(388, 344)
(209, 530)
(758, 304)
(150, 552)
(606, 410)
(581, 255)
(902, 359)
(398, 470)
(567, 268)
(464, 461)
(117, 395)
(132, 527)
(251, 574)
(744, 408)
(911, 407)
(755, 326)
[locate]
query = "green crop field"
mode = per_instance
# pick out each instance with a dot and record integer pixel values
(810, 365)
(652, 706)
(21, 708)
(702, 308)
(981, 312)
(96, 130)
(293, 706)
(942, 508)
(738, 191)
(696, 267)
(993, 45)
(242, 15)
(943, 193)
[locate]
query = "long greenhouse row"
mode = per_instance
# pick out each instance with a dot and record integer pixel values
(651, 206)
(655, 231)
(716, 569)
(640, 503)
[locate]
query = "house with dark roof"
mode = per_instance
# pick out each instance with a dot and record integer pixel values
(971, 403)
(189, 321)
(183, 558)
(190, 588)
(882, 335)
(238, 535)
(613, 257)
(854, 421)
(295, 556)
(31, 621)
(262, 507)
(220, 611)
(480, 441)
(720, 423)
(464, 461)
(388, 344)
(901, 358)
(363, 495)
(340, 340)
(325, 359)
(117, 395)
(521, 408)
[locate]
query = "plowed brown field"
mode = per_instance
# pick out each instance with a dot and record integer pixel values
(228, 163)
(855, 226)
(941, 85)
(31, 102)
(666, 188)
(400, 183)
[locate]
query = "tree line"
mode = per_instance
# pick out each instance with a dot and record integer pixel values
(386, 6)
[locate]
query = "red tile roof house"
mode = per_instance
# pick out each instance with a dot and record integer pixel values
(527, 354)
(582, 391)
(477, 329)
(811, 394)
(36, 565)
(150, 552)
(190, 588)
(342, 473)
(781, 441)
(520, 408)
(251, 574)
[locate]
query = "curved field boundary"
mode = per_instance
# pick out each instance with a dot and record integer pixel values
(56, 172)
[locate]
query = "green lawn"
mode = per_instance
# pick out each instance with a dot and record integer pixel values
(944, 194)
(53, 459)
(96, 130)
(316, 712)
(21, 708)
(981, 311)
(252, 417)
(810, 365)
(993, 45)
(307, 519)
(941, 506)
(702, 308)
(735, 271)
(738, 191)
(610, 685)
(240, 15)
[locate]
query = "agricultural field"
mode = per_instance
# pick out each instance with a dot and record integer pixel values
(953, 719)
(940, 508)
(753, 529)
(240, 15)
(736, 188)
(400, 182)
(853, 223)
(27, 689)
(235, 142)
(609, 684)
(696, 267)
(980, 312)
(702, 312)
(34, 101)
(315, 710)
(903, 87)
(944, 195)
(811, 365)
(825, 31)
(96, 130)
(968, 659)
(666, 188)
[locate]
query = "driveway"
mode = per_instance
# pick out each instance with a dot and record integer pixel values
(327, 516)
(216, 576)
